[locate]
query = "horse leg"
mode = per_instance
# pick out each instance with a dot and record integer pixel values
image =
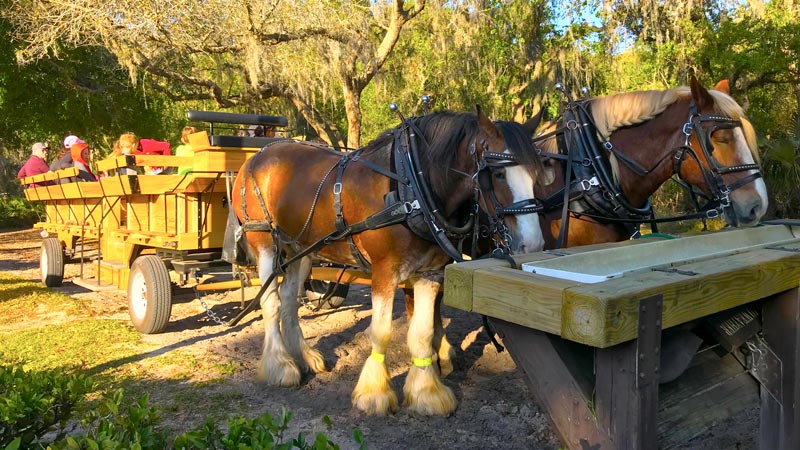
(296, 344)
(373, 394)
(424, 391)
(276, 367)
(444, 351)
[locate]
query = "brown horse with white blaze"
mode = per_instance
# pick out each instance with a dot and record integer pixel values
(384, 208)
(702, 136)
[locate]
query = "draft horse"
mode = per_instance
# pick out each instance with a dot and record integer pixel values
(621, 148)
(395, 208)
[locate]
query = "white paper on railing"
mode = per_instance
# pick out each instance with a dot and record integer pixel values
(569, 275)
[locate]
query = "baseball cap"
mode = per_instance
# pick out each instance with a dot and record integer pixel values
(71, 140)
(39, 146)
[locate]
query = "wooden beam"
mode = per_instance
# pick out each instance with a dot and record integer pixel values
(605, 314)
(780, 418)
(556, 385)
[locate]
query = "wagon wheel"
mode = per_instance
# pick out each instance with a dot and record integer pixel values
(326, 294)
(51, 262)
(149, 294)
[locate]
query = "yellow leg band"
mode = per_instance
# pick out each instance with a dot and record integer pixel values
(423, 362)
(379, 357)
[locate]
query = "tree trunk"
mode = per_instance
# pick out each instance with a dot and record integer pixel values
(352, 107)
(325, 130)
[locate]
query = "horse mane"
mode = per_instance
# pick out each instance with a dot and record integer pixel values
(620, 110)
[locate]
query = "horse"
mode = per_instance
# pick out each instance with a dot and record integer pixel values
(393, 208)
(623, 147)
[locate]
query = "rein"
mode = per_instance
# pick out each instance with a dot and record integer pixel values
(600, 197)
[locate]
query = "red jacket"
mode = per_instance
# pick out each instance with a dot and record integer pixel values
(33, 166)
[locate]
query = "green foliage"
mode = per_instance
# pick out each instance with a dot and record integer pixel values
(16, 212)
(264, 432)
(113, 426)
(36, 403)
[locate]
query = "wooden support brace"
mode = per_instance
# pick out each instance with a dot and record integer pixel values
(627, 383)
(780, 418)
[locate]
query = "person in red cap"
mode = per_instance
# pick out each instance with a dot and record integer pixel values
(36, 164)
(80, 153)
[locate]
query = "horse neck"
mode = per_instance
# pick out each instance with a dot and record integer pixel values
(652, 144)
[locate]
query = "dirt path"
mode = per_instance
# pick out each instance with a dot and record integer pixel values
(496, 410)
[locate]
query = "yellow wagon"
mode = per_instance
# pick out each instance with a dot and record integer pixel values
(137, 229)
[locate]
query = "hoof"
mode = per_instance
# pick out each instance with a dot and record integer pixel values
(373, 394)
(284, 373)
(426, 394)
(380, 403)
(314, 360)
(446, 360)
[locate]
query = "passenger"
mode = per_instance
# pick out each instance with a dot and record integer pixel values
(185, 149)
(153, 147)
(36, 164)
(125, 145)
(80, 153)
(63, 159)
(262, 131)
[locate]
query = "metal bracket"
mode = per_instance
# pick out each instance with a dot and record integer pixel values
(765, 366)
(648, 345)
(785, 249)
(674, 270)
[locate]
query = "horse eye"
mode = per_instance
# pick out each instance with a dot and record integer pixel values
(499, 174)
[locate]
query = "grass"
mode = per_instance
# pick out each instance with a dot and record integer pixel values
(25, 299)
(43, 329)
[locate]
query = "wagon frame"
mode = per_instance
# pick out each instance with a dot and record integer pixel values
(143, 233)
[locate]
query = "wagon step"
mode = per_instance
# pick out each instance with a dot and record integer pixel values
(94, 285)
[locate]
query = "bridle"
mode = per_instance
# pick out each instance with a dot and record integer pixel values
(719, 199)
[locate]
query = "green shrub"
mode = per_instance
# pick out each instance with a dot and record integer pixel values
(16, 212)
(36, 403)
(111, 427)
(260, 433)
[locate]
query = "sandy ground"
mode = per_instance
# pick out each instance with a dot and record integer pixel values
(495, 410)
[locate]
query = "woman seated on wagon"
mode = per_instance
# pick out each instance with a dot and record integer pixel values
(80, 155)
(125, 145)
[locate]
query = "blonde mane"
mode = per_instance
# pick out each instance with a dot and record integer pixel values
(619, 110)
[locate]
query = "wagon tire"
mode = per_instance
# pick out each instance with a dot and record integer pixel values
(318, 290)
(51, 262)
(149, 294)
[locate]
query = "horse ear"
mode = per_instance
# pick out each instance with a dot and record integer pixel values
(486, 124)
(723, 86)
(700, 94)
(533, 123)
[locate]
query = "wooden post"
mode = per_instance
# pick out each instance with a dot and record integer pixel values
(627, 383)
(559, 385)
(780, 420)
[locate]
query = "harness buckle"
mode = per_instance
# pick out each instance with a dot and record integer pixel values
(687, 128)
(712, 213)
(410, 206)
(587, 184)
(608, 145)
(337, 188)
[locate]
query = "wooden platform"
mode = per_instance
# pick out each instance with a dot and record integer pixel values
(593, 342)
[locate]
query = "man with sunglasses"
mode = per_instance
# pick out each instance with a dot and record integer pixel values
(36, 164)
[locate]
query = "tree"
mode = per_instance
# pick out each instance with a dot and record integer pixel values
(234, 52)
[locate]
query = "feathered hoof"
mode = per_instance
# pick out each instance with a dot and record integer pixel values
(314, 360)
(373, 394)
(446, 360)
(279, 372)
(426, 394)
(378, 403)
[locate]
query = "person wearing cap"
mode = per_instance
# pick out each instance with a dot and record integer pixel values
(64, 158)
(80, 153)
(36, 164)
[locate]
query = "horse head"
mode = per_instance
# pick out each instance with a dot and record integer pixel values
(508, 171)
(720, 155)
